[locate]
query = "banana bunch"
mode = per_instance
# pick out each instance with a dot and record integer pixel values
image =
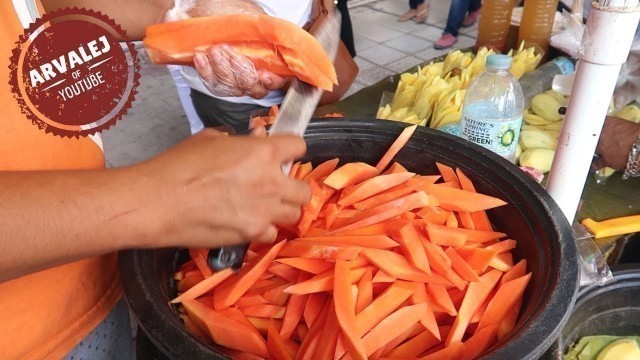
(433, 95)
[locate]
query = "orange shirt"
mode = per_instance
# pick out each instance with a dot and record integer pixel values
(44, 315)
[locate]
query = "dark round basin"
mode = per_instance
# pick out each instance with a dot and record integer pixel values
(612, 309)
(532, 217)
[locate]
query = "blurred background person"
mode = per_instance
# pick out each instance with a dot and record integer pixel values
(418, 11)
(462, 13)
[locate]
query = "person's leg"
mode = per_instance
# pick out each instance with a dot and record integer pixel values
(413, 5)
(346, 32)
(474, 13)
(111, 339)
(423, 12)
(457, 12)
(218, 113)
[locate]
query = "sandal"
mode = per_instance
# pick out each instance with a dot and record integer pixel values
(422, 15)
(408, 15)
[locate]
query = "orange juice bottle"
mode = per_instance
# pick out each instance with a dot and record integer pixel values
(537, 23)
(494, 24)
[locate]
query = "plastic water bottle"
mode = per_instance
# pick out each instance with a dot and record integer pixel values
(492, 109)
(540, 80)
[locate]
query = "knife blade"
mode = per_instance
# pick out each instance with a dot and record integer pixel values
(301, 99)
(297, 108)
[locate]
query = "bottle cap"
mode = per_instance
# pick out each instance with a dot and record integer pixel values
(498, 61)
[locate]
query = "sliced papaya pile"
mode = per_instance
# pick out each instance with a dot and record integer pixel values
(270, 43)
(383, 264)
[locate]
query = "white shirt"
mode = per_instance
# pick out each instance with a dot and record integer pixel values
(295, 11)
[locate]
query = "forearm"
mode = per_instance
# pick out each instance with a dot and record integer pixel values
(51, 218)
(133, 15)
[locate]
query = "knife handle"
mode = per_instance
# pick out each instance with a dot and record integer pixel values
(613, 227)
(227, 257)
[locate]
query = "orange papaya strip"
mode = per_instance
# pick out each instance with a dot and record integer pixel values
(373, 186)
(439, 296)
(452, 221)
(371, 230)
(365, 291)
(392, 326)
(304, 68)
(441, 266)
(188, 265)
(248, 300)
(410, 333)
(445, 235)
(517, 271)
(481, 340)
(327, 252)
(383, 277)
(293, 314)
(313, 266)
(262, 324)
(237, 315)
(480, 236)
(264, 311)
(434, 215)
(225, 331)
(395, 168)
(508, 323)
(323, 170)
(304, 170)
(395, 148)
(331, 214)
(397, 266)
(448, 175)
(374, 241)
(276, 296)
(199, 256)
(328, 341)
(284, 271)
(321, 282)
(189, 282)
(313, 307)
(462, 200)
(502, 262)
(461, 267)
(382, 306)
(345, 310)
(232, 289)
(194, 329)
(452, 351)
(276, 344)
(477, 293)
(385, 212)
(428, 321)
(415, 346)
(480, 218)
(350, 174)
(310, 342)
(407, 235)
(506, 297)
(466, 220)
(479, 259)
(412, 185)
(503, 246)
(204, 286)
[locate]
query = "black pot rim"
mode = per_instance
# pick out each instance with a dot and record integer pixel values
(531, 341)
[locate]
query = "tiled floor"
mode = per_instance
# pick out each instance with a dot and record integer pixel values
(385, 47)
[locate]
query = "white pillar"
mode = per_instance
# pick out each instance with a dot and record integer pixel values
(605, 46)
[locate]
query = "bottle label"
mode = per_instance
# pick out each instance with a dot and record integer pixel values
(453, 129)
(499, 137)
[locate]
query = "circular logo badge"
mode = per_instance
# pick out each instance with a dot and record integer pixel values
(70, 74)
